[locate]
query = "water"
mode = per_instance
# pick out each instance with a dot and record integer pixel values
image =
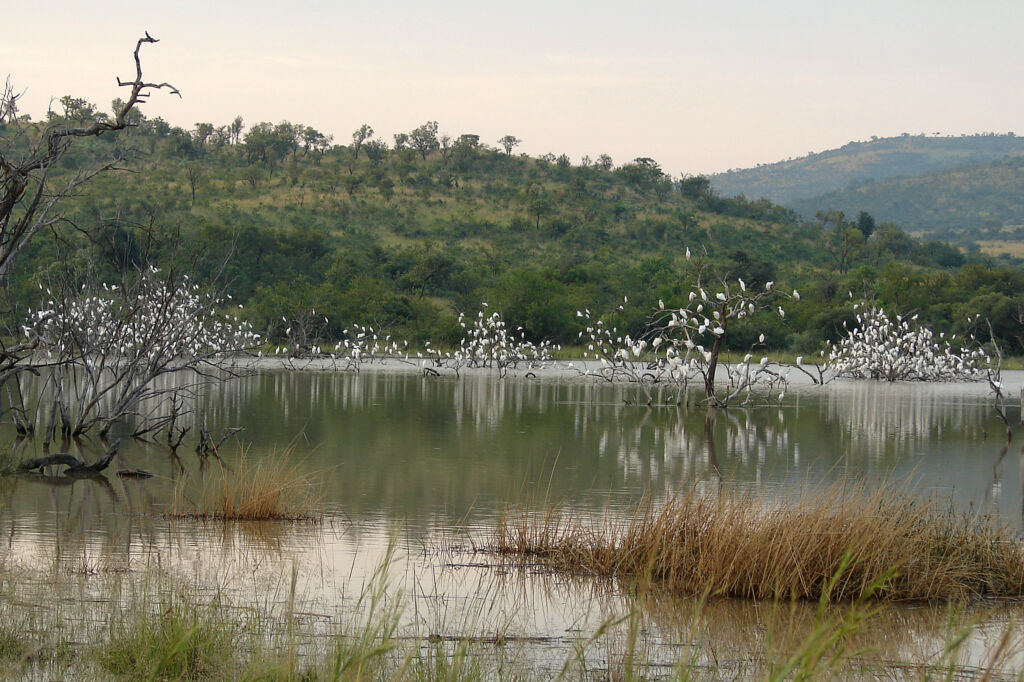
(432, 451)
(427, 464)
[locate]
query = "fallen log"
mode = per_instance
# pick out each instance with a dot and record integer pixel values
(51, 460)
(74, 465)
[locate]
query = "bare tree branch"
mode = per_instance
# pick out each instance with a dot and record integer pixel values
(21, 216)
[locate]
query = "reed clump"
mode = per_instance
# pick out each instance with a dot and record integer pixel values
(181, 642)
(835, 545)
(271, 488)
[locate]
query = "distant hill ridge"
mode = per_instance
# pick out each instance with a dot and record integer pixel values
(974, 201)
(877, 160)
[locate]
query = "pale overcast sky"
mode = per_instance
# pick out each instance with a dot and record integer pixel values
(698, 86)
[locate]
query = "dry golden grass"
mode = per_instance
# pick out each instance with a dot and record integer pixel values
(272, 488)
(995, 247)
(832, 546)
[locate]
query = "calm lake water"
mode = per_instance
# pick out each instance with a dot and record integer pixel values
(424, 465)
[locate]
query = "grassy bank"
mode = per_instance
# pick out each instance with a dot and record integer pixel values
(845, 543)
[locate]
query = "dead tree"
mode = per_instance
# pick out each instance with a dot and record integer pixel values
(27, 202)
(130, 351)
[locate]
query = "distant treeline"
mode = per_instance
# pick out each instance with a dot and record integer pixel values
(404, 233)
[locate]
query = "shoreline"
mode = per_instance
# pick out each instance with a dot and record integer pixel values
(586, 371)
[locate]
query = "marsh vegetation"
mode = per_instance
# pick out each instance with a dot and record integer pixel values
(840, 543)
(417, 564)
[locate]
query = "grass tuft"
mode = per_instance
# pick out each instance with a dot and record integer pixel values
(13, 645)
(272, 488)
(837, 545)
(180, 642)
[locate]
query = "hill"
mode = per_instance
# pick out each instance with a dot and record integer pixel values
(966, 203)
(799, 180)
(403, 236)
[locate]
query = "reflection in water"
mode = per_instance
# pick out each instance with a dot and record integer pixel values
(443, 450)
(878, 419)
(424, 459)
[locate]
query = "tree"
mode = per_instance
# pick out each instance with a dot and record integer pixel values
(878, 348)
(257, 142)
(77, 109)
(203, 132)
(488, 342)
(9, 103)
(315, 142)
(107, 351)
(707, 317)
(696, 187)
(508, 142)
(424, 139)
(235, 130)
(643, 173)
(445, 145)
(843, 240)
(845, 245)
(270, 144)
(134, 119)
(890, 241)
(465, 150)
(361, 135)
(686, 342)
(194, 173)
(376, 151)
(28, 203)
(538, 203)
(161, 127)
(866, 224)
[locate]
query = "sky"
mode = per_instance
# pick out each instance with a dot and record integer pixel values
(700, 87)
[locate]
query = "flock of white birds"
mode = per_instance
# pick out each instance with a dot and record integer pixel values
(122, 340)
(881, 348)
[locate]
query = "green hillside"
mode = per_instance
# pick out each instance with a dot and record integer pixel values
(798, 180)
(403, 235)
(961, 204)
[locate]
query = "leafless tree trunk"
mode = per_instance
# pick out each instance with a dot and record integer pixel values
(27, 202)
